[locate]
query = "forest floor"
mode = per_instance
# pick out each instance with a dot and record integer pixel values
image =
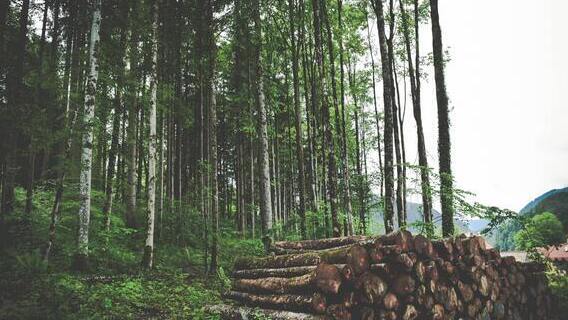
(115, 287)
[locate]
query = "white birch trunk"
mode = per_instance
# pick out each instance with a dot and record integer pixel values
(152, 142)
(87, 149)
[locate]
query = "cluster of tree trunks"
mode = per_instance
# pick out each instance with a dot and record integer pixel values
(395, 276)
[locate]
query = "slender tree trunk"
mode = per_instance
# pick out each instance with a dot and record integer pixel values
(132, 130)
(111, 168)
(86, 155)
(344, 161)
(388, 128)
(344, 146)
(377, 117)
(444, 143)
(298, 118)
(148, 259)
(417, 110)
(328, 135)
(64, 146)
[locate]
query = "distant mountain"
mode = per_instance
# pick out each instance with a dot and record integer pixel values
(414, 214)
(555, 201)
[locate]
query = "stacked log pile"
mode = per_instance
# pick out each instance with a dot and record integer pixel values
(396, 276)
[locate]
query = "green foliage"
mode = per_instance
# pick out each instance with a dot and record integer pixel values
(542, 230)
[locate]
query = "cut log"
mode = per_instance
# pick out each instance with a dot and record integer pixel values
(338, 312)
(358, 259)
(331, 256)
(325, 277)
(229, 312)
(278, 272)
(365, 313)
(423, 246)
(401, 238)
(438, 312)
(371, 287)
(315, 303)
(320, 244)
(410, 313)
(390, 301)
(404, 285)
(275, 285)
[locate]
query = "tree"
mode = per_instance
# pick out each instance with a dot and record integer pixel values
(542, 230)
(152, 142)
(444, 144)
(87, 147)
(295, 49)
(417, 110)
(388, 96)
(265, 197)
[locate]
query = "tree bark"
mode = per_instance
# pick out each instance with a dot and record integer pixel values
(87, 148)
(444, 143)
(417, 110)
(388, 129)
(148, 258)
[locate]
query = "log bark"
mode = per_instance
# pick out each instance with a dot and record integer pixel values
(229, 312)
(332, 256)
(314, 303)
(326, 278)
(320, 244)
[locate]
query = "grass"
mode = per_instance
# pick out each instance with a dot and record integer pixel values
(116, 287)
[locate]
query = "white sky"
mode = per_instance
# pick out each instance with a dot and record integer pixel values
(507, 85)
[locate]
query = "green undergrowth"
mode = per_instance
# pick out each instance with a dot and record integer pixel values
(115, 287)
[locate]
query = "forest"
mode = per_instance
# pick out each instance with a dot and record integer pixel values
(145, 144)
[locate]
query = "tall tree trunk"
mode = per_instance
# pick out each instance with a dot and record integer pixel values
(64, 145)
(87, 152)
(265, 198)
(417, 110)
(444, 143)
(131, 190)
(388, 128)
(377, 117)
(148, 259)
(329, 144)
(348, 221)
(298, 118)
(345, 152)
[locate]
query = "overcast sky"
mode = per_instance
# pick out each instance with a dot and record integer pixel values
(507, 85)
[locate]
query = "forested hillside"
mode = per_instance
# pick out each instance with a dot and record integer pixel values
(145, 144)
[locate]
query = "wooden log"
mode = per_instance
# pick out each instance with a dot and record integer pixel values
(424, 247)
(444, 248)
(338, 312)
(401, 238)
(325, 277)
(404, 285)
(465, 291)
(438, 312)
(331, 256)
(376, 255)
(229, 312)
(358, 259)
(314, 303)
(320, 244)
(404, 261)
(283, 251)
(424, 297)
(365, 313)
(371, 287)
(410, 313)
(390, 301)
(277, 272)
